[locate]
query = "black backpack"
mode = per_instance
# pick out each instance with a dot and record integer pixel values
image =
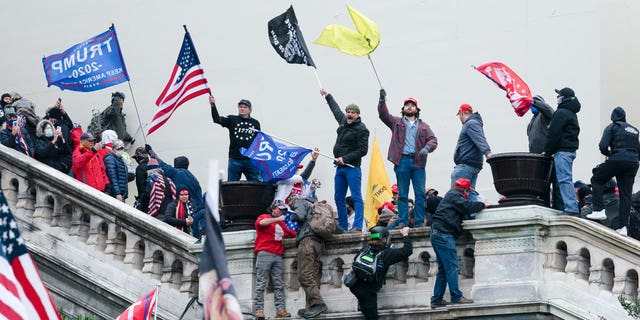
(366, 265)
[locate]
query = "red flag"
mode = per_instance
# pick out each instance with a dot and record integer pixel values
(517, 90)
(141, 309)
(187, 82)
(22, 293)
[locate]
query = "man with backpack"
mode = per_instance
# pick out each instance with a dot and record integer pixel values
(370, 267)
(310, 246)
(112, 118)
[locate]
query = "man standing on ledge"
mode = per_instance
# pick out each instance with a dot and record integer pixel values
(446, 228)
(351, 145)
(562, 145)
(471, 147)
(242, 129)
(411, 141)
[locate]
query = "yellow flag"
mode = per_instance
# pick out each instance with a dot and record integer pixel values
(367, 28)
(360, 43)
(378, 186)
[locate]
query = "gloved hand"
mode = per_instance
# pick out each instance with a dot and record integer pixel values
(150, 151)
(383, 95)
(424, 152)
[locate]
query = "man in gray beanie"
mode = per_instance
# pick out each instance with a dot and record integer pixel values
(351, 145)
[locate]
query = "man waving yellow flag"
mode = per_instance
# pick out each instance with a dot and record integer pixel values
(378, 186)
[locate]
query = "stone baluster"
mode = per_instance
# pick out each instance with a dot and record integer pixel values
(97, 236)
(43, 212)
(134, 252)
(9, 189)
(79, 227)
(189, 278)
(576, 266)
(167, 268)
(153, 261)
(25, 199)
(113, 240)
(61, 216)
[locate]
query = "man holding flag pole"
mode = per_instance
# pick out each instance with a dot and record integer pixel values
(352, 143)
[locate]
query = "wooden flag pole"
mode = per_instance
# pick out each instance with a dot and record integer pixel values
(375, 71)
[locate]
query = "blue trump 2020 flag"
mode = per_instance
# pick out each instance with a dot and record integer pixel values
(275, 160)
(91, 65)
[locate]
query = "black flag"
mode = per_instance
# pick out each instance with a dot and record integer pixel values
(286, 38)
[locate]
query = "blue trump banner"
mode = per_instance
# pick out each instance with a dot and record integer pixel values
(275, 160)
(91, 65)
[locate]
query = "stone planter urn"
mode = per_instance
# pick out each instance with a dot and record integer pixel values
(522, 178)
(242, 202)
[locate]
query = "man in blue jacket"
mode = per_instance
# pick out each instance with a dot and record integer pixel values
(620, 144)
(471, 149)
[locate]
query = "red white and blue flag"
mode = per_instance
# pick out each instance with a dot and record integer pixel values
(517, 90)
(22, 293)
(187, 81)
(141, 309)
(275, 160)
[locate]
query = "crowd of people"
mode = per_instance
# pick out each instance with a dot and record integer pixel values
(173, 194)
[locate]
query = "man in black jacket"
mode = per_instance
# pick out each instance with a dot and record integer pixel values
(562, 145)
(446, 227)
(367, 292)
(620, 144)
(242, 129)
(352, 143)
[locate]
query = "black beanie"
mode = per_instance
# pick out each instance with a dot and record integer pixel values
(181, 162)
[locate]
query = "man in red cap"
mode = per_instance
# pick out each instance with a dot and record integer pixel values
(411, 142)
(445, 229)
(471, 148)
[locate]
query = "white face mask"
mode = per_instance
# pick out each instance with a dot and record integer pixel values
(48, 132)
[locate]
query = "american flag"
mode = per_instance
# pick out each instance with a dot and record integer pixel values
(187, 82)
(22, 293)
(141, 309)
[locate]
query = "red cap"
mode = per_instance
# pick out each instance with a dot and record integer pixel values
(465, 108)
(394, 188)
(387, 204)
(300, 166)
(463, 184)
(410, 99)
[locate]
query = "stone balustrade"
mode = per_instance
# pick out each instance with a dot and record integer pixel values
(125, 252)
(518, 262)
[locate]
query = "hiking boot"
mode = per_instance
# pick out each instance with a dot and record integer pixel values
(283, 314)
(440, 304)
(597, 215)
(622, 231)
(463, 300)
(315, 311)
(302, 311)
(259, 315)
(355, 230)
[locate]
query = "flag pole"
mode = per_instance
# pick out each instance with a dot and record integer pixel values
(155, 308)
(315, 71)
(135, 105)
(301, 146)
(374, 70)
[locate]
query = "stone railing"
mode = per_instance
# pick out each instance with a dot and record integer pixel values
(97, 254)
(525, 261)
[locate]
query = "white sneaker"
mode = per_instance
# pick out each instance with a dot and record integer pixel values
(622, 231)
(597, 215)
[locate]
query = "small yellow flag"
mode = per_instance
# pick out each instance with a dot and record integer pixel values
(360, 43)
(378, 186)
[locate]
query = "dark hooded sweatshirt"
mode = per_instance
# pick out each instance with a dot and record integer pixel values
(564, 128)
(619, 140)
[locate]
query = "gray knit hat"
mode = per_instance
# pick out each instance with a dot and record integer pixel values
(353, 107)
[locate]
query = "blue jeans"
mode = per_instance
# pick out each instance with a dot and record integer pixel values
(468, 172)
(563, 163)
(198, 226)
(406, 173)
(348, 178)
(237, 167)
(444, 244)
